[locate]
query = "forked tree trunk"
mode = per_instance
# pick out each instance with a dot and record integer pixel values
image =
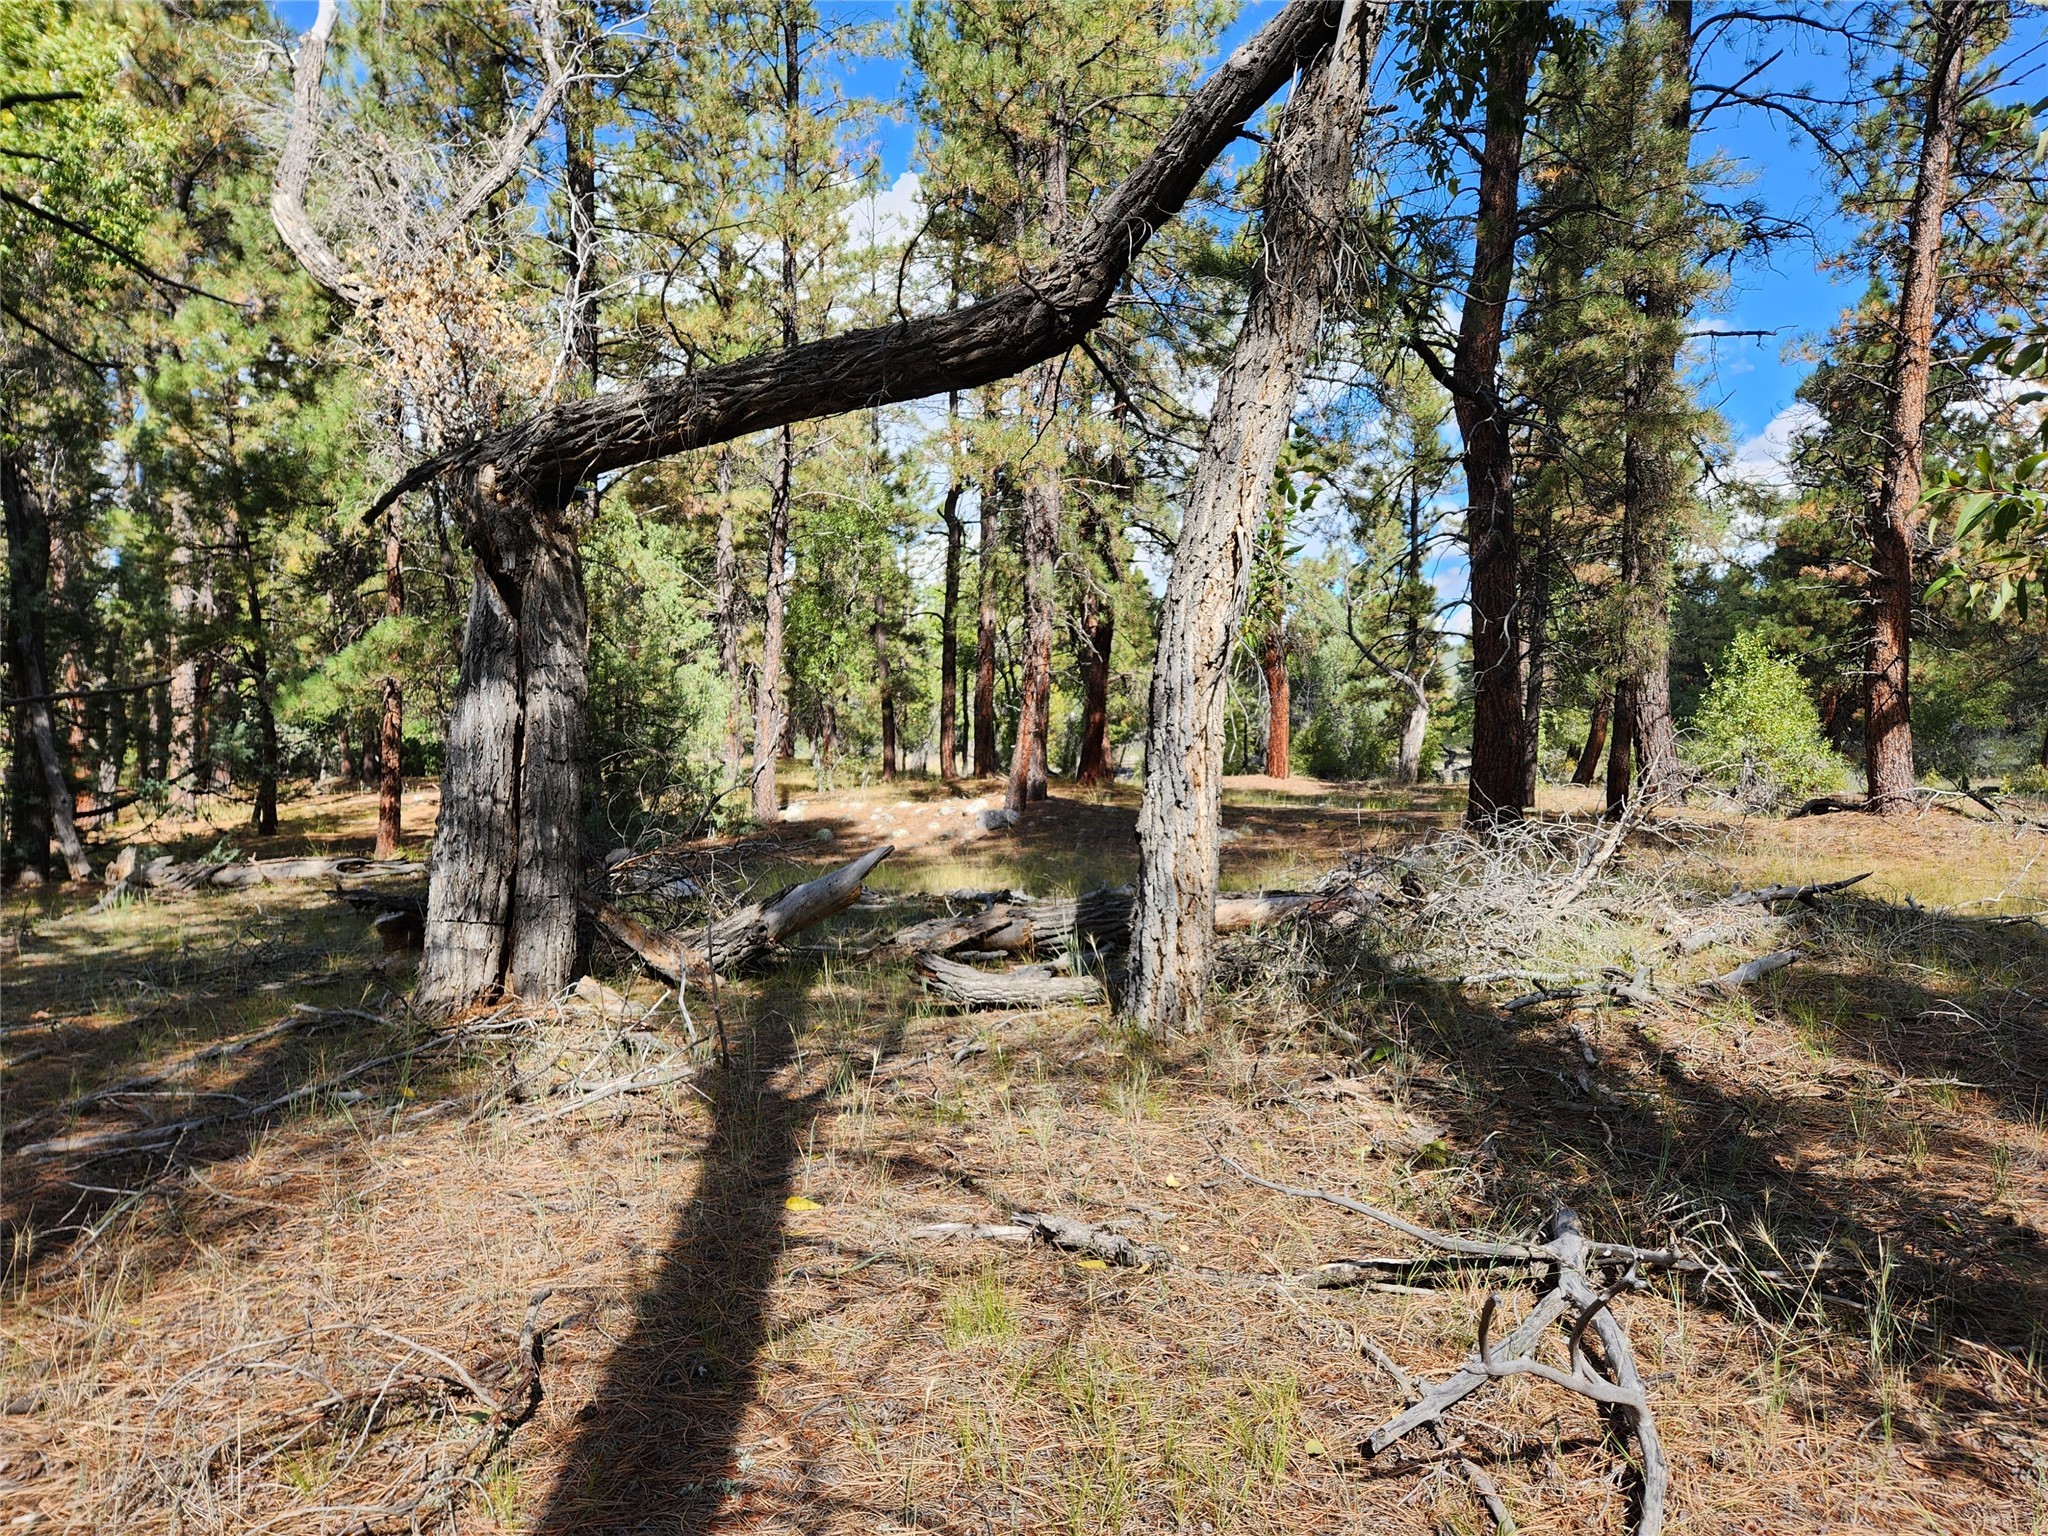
(949, 635)
(1279, 706)
(507, 859)
(985, 632)
(1588, 767)
(1895, 513)
(391, 729)
(28, 579)
(1308, 180)
(1496, 788)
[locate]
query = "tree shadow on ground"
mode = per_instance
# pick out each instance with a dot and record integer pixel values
(658, 1448)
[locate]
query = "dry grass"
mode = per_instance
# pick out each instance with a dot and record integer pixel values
(744, 1336)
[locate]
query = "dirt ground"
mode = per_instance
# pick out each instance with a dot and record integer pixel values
(298, 1303)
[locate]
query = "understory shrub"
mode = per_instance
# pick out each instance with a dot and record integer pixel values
(1757, 730)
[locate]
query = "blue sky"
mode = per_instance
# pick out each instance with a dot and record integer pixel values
(1789, 293)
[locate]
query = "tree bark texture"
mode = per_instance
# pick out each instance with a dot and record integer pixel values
(1308, 179)
(768, 706)
(1041, 526)
(507, 859)
(886, 687)
(391, 727)
(1894, 517)
(949, 635)
(1621, 745)
(1014, 328)
(1496, 787)
(725, 575)
(1535, 627)
(1098, 624)
(263, 814)
(1279, 705)
(986, 621)
(192, 613)
(1588, 766)
(28, 579)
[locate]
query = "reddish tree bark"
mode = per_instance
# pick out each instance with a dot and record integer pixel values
(1279, 707)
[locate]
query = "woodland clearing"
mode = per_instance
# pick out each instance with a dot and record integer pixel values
(310, 1318)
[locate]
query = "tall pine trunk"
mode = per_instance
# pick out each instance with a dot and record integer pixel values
(1279, 705)
(886, 688)
(391, 727)
(1099, 579)
(1496, 788)
(1307, 185)
(192, 614)
(1894, 515)
(37, 765)
(1588, 766)
(1535, 626)
(507, 859)
(725, 575)
(986, 619)
(949, 635)
(263, 814)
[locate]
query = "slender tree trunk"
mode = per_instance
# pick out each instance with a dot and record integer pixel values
(1414, 731)
(1497, 787)
(391, 732)
(949, 634)
(1894, 514)
(886, 685)
(1621, 744)
(985, 755)
(507, 857)
(1535, 625)
(1307, 188)
(1414, 681)
(192, 611)
(1279, 706)
(28, 572)
(263, 815)
(1596, 741)
(726, 577)
(769, 713)
(1098, 621)
(1041, 529)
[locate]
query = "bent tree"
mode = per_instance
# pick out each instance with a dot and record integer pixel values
(1308, 181)
(506, 859)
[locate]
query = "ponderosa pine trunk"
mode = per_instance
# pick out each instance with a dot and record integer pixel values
(1307, 187)
(507, 859)
(391, 726)
(1894, 516)
(1588, 766)
(986, 619)
(36, 759)
(886, 687)
(1535, 627)
(1279, 706)
(1496, 789)
(725, 575)
(263, 813)
(768, 706)
(192, 613)
(1098, 620)
(1621, 745)
(949, 635)
(1041, 530)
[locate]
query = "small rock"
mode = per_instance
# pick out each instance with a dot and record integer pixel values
(28, 880)
(823, 835)
(1000, 817)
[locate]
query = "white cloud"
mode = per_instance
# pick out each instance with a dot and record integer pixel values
(1766, 458)
(890, 216)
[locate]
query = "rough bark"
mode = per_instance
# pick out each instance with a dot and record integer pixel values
(391, 727)
(985, 632)
(886, 686)
(1496, 786)
(1098, 629)
(28, 573)
(1014, 328)
(1621, 744)
(1308, 180)
(506, 866)
(192, 611)
(949, 635)
(728, 619)
(768, 704)
(1535, 626)
(1279, 706)
(1588, 766)
(1894, 515)
(263, 814)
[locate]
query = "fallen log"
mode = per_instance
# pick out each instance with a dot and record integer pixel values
(1028, 986)
(1752, 970)
(730, 942)
(1096, 923)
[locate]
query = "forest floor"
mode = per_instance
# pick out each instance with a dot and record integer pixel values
(298, 1305)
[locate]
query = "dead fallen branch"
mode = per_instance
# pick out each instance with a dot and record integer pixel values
(1806, 895)
(1028, 986)
(1616, 984)
(1475, 1475)
(1094, 924)
(1092, 1242)
(730, 942)
(1752, 970)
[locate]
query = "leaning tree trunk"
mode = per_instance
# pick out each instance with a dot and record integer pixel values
(1496, 788)
(1308, 180)
(507, 859)
(28, 572)
(1895, 514)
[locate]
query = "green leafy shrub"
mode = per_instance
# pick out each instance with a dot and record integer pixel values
(1758, 731)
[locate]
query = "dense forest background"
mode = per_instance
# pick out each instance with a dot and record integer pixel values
(195, 418)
